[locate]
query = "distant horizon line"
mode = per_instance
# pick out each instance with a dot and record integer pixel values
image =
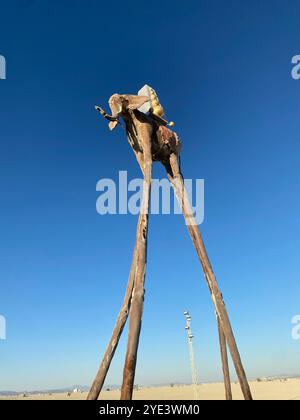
(85, 388)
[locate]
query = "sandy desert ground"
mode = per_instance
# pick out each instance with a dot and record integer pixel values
(274, 390)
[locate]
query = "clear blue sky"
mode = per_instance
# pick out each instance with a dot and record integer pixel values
(223, 72)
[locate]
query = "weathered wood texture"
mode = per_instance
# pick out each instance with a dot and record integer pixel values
(137, 302)
(152, 141)
(140, 132)
(176, 179)
(117, 332)
(224, 359)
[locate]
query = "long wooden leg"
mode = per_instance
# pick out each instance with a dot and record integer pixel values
(137, 303)
(224, 359)
(117, 332)
(177, 182)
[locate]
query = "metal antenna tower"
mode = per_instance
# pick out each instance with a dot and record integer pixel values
(191, 352)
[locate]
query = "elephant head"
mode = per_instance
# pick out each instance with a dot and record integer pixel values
(120, 104)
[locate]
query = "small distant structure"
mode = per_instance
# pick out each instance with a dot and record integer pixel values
(76, 391)
(264, 379)
(191, 352)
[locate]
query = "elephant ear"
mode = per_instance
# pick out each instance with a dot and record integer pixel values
(135, 101)
(115, 104)
(119, 103)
